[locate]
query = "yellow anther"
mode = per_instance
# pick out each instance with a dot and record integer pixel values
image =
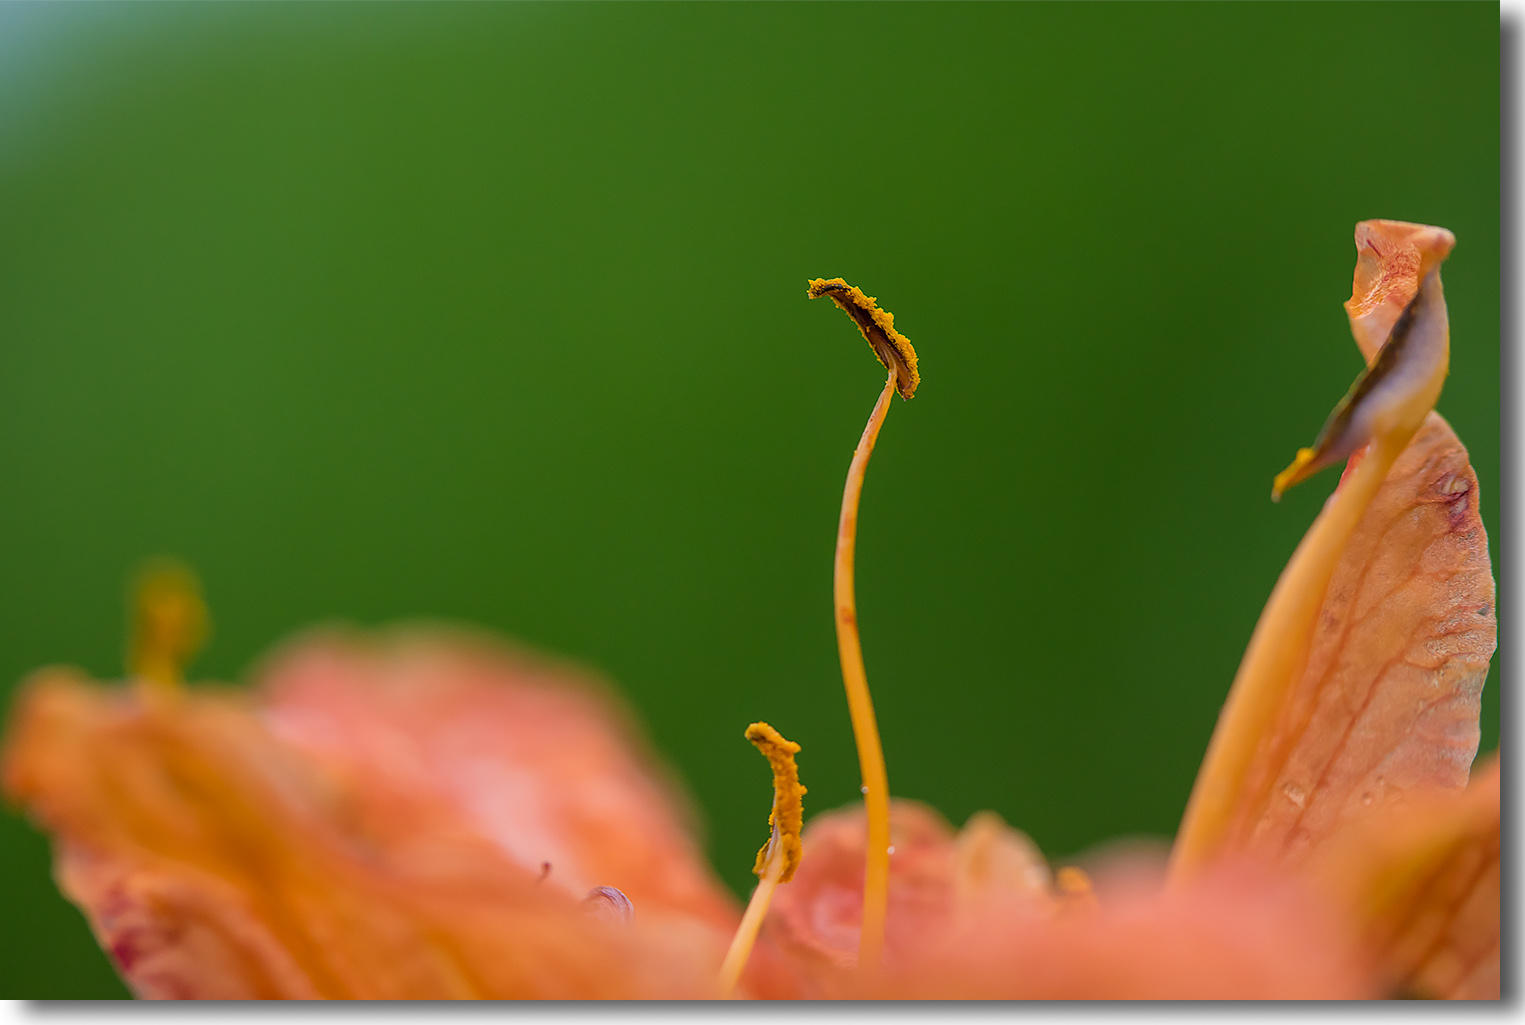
(169, 623)
(878, 326)
(779, 857)
(788, 815)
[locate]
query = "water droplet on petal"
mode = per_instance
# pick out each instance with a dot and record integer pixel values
(892, 848)
(1367, 799)
(863, 789)
(1296, 794)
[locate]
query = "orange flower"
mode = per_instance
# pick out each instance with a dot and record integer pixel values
(1333, 846)
(433, 815)
(409, 816)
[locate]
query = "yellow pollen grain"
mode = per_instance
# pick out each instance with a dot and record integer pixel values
(788, 815)
(878, 326)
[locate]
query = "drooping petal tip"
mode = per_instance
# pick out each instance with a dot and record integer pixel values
(1392, 258)
(1398, 316)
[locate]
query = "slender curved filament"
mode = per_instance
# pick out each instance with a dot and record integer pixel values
(876, 789)
(751, 922)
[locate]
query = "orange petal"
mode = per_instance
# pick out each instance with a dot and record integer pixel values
(1424, 878)
(976, 917)
(1237, 932)
(1389, 699)
(992, 861)
(539, 758)
(215, 859)
(814, 922)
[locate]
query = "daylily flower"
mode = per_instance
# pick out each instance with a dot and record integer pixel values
(427, 814)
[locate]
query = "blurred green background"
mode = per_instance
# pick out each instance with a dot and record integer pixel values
(496, 314)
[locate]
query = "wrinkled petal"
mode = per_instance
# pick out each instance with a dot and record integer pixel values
(214, 858)
(1424, 880)
(1389, 700)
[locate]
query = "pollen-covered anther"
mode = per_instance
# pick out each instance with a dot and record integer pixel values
(788, 815)
(779, 857)
(878, 326)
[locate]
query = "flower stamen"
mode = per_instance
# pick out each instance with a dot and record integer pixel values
(779, 857)
(168, 625)
(899, 358)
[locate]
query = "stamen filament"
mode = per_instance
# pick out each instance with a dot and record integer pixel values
(860, 705)
(751, 922)
(898, 356)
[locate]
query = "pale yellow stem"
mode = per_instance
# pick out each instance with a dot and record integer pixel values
(751, 922)
(876, 786)
(1274, 660)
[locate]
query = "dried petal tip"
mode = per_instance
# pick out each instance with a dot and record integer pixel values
(169, 622)
(878, 326)
(788, 815)
(1392, 258)
(1398, 315)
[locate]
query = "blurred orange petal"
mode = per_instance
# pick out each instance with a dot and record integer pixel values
(976, 917)
(1424, 879)
(814, 920)
(538, 757)
(1237, 932)
(217, 858)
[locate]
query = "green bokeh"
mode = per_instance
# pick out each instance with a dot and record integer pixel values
(496, 314)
